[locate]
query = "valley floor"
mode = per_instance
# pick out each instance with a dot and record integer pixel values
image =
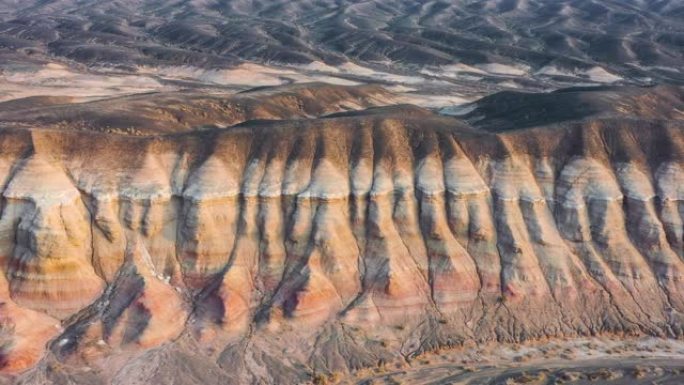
(584, 361)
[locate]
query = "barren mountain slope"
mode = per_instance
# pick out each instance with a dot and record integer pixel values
(534, 32)
(538, 41)
(274, 251)
(155, 113)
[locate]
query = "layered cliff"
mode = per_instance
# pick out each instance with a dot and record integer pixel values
(335, 243)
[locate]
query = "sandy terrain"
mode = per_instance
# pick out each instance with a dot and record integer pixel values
(599, 361)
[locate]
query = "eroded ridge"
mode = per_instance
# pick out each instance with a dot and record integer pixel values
(432, 231)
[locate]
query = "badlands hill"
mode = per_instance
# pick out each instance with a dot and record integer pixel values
(316, 191)
(632, 38)
(291, 240)
(482, 46)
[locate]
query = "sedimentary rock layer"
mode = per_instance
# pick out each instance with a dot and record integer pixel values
(397, 218)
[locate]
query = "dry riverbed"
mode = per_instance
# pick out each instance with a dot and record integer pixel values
(578, 362)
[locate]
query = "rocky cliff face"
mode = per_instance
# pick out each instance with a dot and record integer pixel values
(332, 243)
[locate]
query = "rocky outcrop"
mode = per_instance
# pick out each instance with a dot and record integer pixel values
(48, 243)
(337, 242)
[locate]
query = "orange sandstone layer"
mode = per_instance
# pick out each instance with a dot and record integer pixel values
(329, 228)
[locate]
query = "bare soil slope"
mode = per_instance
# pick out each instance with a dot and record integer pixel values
(273, 251)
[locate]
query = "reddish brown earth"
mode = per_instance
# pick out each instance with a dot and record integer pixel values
(200, 249)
